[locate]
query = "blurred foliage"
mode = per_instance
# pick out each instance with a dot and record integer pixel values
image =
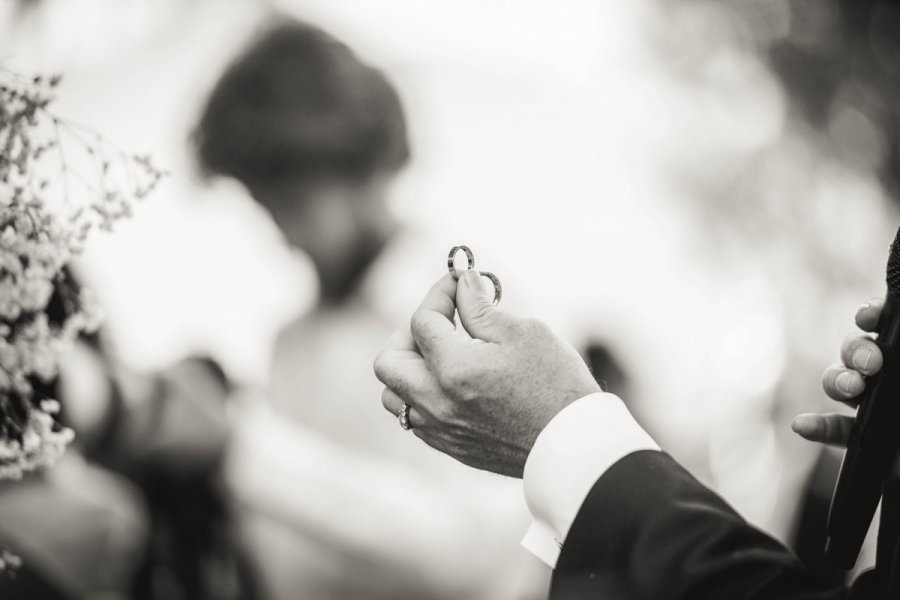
(839, 63)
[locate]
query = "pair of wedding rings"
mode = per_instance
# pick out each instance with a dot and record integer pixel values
(403, 417)
(470, 257)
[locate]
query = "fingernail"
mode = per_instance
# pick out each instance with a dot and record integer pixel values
(843, 382)
(861, 358)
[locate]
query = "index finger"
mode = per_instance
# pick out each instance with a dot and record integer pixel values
(868, 314)
(432, 325)
(399, 365)
(401, 341)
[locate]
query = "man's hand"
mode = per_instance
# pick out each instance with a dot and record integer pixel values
(845, 382)
(483, 392)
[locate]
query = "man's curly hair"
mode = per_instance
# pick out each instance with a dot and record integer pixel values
(300, 104)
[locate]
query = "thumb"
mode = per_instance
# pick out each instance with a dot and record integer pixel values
(477, 312)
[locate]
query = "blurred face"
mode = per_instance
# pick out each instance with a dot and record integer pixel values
(333, 219)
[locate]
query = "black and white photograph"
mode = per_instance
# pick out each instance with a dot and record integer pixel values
(471, 300)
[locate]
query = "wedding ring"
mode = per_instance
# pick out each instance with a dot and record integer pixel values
(498, 289)
(403, 417)
(451, 259)
(470, 257)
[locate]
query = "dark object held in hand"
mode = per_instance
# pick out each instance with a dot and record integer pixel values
(875, 438)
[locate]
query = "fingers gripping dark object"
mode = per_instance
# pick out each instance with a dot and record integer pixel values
(843, 384)
(868, 314)
(860, 352)
(860, 355)
(846, 382)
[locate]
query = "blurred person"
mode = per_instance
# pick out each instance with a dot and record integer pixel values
(317, 137)
(78, 529)
(135, 510)
(613, 514)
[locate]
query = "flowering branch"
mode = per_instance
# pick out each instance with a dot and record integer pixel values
(44, 222)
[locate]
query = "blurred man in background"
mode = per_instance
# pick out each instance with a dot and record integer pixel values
(135, 509)
(317, 137)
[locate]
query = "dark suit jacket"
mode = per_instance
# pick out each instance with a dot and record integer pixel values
(649, 531)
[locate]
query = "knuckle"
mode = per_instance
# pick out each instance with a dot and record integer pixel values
(461, 382)
(451, 378)
(380, 366)
(467, 392)
(853, 340)
(418, 325)
(534, 327)
(485, 313)
(444, 413)
(847, 349)
(522, 328)
(473, 366)
(386, 399)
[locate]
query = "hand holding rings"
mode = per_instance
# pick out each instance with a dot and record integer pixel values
(403, 416)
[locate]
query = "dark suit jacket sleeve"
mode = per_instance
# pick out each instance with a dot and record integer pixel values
(650, 530)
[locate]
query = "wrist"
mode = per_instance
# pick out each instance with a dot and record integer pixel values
(571, 453)
(553, 408)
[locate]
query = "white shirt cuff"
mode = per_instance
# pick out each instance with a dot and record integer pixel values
(572, 452)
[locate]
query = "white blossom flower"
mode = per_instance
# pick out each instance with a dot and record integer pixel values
(36, 244)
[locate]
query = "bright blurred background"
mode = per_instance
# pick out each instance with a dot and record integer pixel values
(703, 190)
